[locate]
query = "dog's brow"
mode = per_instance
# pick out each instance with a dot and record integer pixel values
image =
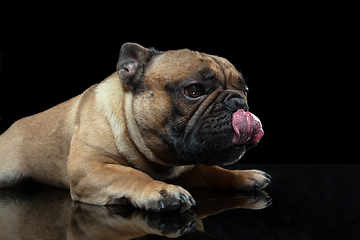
(208, 73)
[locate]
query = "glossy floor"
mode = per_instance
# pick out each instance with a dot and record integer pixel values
(302, 202)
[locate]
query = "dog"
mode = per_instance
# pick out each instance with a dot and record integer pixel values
(173, 116)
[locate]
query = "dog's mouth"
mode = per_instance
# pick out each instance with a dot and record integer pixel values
(222, 148)
(247, 128)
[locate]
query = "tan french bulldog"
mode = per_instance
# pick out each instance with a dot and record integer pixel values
(163, 116)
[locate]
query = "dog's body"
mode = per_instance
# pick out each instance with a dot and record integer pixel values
(162, 116)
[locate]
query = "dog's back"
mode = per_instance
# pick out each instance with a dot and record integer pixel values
(34, 142)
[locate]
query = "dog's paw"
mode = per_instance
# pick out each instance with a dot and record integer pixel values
(159, 197)
(251, 179)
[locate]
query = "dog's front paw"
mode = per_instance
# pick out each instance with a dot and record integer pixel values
(250, 179)
(159, 197)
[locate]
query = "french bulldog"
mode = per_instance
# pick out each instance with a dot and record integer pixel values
(163, 121)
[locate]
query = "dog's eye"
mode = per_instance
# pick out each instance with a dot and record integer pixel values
(194, 91)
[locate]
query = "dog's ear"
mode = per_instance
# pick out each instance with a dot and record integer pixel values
(132, 61)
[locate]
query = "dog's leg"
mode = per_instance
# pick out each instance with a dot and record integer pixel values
(216, 177)
(97, 179)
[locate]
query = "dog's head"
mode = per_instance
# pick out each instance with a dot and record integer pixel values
(188, 107)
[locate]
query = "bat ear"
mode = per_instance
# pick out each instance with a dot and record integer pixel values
(132, 61)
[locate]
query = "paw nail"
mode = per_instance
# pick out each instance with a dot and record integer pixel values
(183, 197)
(161, 204)
(184, 231)
(192, 201)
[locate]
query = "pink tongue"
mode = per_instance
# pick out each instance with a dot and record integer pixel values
(247, 128)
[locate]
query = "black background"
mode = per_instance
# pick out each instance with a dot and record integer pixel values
(301, 63)
(299, 60)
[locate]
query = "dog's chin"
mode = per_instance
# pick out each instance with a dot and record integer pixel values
(209, 154)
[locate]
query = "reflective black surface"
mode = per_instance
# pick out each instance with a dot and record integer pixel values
(302, 202)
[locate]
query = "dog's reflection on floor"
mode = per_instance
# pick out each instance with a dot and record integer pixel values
(51, 214)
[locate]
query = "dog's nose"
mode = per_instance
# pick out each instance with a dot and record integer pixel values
(236, 103)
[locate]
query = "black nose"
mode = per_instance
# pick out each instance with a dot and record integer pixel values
(236, 103)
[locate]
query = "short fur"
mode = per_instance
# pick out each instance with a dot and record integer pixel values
(121, 139)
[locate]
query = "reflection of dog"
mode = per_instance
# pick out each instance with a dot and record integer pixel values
(157, 118)
(50, 212)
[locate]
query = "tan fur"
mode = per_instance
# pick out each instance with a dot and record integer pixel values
(101, 144)
(38, 146)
